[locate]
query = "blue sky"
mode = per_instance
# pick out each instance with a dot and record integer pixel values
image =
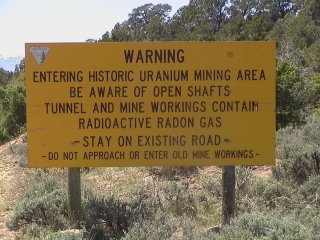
(62, 20)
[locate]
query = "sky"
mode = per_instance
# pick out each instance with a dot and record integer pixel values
(24, 21)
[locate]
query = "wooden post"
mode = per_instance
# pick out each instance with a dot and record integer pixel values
(74, 196)
(228, 195)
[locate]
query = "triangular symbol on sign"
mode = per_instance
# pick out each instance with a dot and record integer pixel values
(39, 53)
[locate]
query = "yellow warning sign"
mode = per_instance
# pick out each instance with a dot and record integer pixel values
(150, 104)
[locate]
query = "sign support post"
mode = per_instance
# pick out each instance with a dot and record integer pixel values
(228, 194)
(74, 185)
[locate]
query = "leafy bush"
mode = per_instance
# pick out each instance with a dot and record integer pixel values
(265, 195)
(5, 76)
(290, 103)
(179, 198)
(276, 194)
(310, 217)
(156, 229)
(12, 108)
(108, 217)
(212, 184)
(44, 208)
(36, 232)
(313, 56)
(255, 225)
(310, 191)
(165, 226)
(298, 151)
(19, 151)
(44, 204)
(244, 177)
(266, 226)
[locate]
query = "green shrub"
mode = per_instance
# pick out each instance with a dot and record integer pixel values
(36, 232)
(290, 100)
(19, 151)
(5, 76)
(310, 217)
(44, 203)
(44, 208)
(244, 178)
(298, 151)
(179, 199)
(108, 217)
(61, 236)
(12, 108)
(310, 190)
(212, 184)
(164, 226)
(266, 226)
(160, 227)
(276, 194)
(265, 195)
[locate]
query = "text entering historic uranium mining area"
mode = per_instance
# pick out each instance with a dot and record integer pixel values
(154, 106)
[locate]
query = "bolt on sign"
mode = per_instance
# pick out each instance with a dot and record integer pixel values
(150, 104)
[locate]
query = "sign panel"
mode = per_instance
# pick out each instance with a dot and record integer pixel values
(150, 104)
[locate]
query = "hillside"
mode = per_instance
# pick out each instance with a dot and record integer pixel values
(126, 203)
(11, 184)
(15, 176)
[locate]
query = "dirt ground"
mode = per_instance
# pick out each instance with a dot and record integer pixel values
(11, 184)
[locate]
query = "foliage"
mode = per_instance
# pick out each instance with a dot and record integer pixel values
(44, 208)
(145, 23)
(19, 151)
(290, 103)
(313, 56)
(298, 150)
(234, 29)
(255, 225)
(161, 227)
(304, 31)
(258, 27)
(110, 217)
(310, 191)
(44, 204)
(37, 232)
(179, 199)
(297, 97)
(258, 225)
(212, 185)
(312, 92)
(185, 208)
(244, 175)
(5, 77)
(12, 108)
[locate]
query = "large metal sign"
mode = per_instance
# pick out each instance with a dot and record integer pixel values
(150, 104)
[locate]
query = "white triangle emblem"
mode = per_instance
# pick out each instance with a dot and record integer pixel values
(39, 53)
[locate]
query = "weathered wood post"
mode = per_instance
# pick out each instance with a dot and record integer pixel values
(74, 185)
(228, 195)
